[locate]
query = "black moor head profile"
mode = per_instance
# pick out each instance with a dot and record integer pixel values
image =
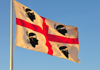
(64, 50)
(32, 39)
(30, 14)
(61, 29)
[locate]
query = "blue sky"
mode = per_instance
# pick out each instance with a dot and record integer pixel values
(84, 14)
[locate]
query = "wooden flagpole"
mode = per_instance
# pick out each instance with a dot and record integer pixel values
(11, 35)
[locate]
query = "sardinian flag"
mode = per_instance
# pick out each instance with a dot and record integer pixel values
(37, 33)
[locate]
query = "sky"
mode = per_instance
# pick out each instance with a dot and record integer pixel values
(84, 14)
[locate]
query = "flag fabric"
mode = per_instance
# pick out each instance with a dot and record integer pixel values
(40, 34)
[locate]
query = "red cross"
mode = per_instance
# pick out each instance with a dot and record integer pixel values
(48, 37)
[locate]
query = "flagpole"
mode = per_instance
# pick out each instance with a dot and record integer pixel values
(11, 35)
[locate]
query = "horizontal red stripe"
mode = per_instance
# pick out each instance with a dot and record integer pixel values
(50, 37)
(28, 25)
(54, 38)
(60, 39)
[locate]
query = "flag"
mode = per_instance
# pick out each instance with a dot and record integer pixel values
(40, 34)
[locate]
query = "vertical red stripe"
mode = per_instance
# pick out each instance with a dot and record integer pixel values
(45, 29)
(38, 29)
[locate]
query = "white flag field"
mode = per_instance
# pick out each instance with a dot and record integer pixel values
(40, 34)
